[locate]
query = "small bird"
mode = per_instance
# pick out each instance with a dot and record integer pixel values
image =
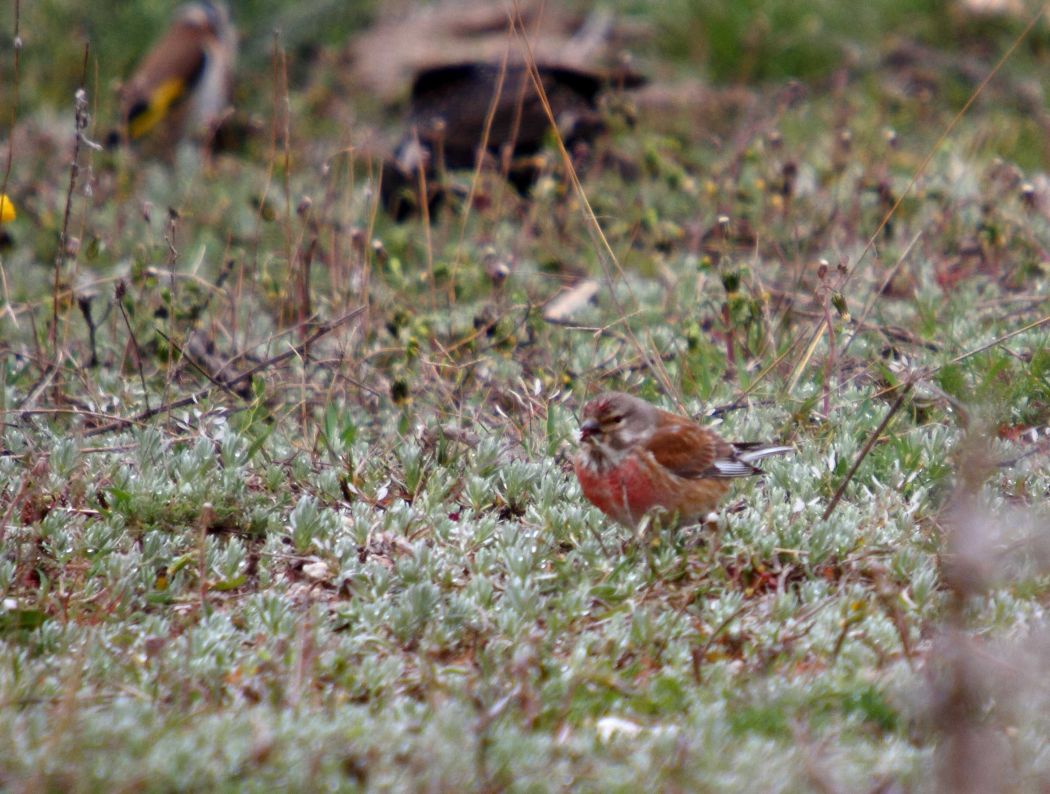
(183, 85)
(636, 458)
(457, 108)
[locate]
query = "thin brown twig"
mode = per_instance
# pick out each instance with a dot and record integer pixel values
(263, 199)
(479, 162)
(73, 411)
(12, 505)
(738, 401)
(829, 359)
(930, 371)
(996, 342)
(282, 116)
(42, 383)
(134, 342)
(606, 256)
(867, 448)
(203, 522)
(193, 363)
(424, 212)
(875, 295)
(699, 654)
(819, 330)
(322, 330)
(80, 122)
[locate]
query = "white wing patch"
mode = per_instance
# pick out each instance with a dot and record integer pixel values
(733, 468)
(742, 464)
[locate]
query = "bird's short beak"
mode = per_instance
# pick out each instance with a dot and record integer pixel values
(589, 428)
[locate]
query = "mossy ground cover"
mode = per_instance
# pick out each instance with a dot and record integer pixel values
(368, 564)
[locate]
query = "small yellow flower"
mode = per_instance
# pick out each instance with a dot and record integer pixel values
(7, 209)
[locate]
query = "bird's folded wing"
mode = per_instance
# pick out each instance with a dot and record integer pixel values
(170, 71)
(688, 450)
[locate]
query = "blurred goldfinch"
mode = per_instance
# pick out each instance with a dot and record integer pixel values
(7, 209)
(183, 85)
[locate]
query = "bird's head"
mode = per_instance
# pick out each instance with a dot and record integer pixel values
(208, 16)
(616, 421)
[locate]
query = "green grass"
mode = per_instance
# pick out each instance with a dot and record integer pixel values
(372, 568)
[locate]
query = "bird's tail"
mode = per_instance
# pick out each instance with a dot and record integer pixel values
(751, 452)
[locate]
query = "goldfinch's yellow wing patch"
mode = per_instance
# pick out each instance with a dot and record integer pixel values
(7, 209)
(163, 97)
